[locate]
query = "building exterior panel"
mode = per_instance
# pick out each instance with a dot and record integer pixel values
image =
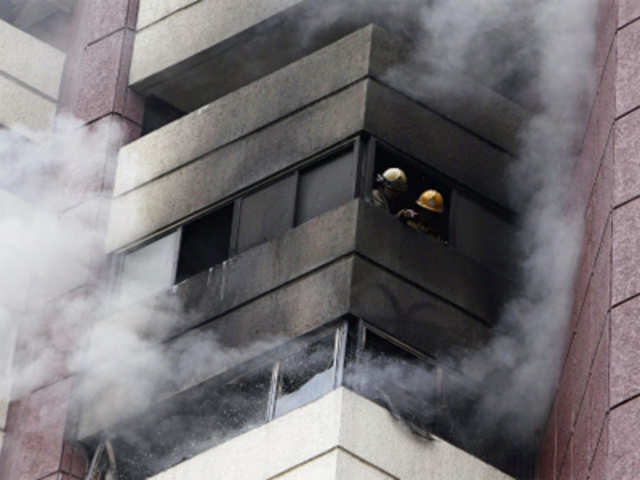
(35, 63)
(29, 79)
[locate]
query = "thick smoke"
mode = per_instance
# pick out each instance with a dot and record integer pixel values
(540, 55)
(59, 312)
(53, 210)
(552, 42)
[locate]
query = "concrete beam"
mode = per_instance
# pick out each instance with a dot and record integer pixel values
(202, 24)
(31, 12)
(30, 74)
(30, 61)
(22, 106)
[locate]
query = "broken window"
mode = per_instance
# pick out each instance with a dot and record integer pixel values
(306, 375)
(266, 214)
(205, 242)
(204, 417)
(240, 405)
(326, 185)
(148, 269)
(395, 376)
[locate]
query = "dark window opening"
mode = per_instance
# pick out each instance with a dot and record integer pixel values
(419, 179)
(204, 243)
(158, 113)
(326, 185)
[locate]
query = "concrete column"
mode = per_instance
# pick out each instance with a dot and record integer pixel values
(95, 90)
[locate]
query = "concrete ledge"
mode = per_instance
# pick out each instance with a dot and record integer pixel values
(22, 106)
(198, 27)
(353, 228)
(338, 433)
(30, 61)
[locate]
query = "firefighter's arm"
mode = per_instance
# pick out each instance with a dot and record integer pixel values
(405, 214)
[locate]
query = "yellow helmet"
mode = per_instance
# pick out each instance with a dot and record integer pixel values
(395, 179)
(431, 200)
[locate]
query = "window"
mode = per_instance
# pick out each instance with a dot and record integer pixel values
(266, 214)
(484, 235)
(306, 375)
(395, 376)
(206, 416)
(204, 243)
(327, 185)
(149, 268)
(420, 178)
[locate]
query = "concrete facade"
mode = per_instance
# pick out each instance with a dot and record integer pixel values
(591, 430)
(29, 79)
(341, 436)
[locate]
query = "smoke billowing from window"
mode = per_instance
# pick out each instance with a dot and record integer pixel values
(53, 207)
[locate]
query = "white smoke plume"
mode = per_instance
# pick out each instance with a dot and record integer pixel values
(560, 38)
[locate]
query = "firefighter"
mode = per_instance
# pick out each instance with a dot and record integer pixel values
(428, 218)
(389, 186)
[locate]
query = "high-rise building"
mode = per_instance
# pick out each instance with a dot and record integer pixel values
(301, 330)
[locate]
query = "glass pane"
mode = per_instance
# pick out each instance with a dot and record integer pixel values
(306, 375)
(210, 417)
(148, 269)
(267, 213)
(395, 378)
(326, 186)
